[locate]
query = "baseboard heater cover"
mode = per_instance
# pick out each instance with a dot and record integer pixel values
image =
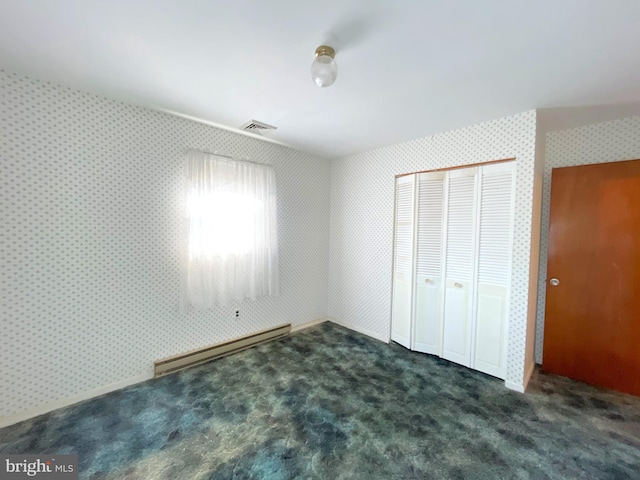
(202, 355)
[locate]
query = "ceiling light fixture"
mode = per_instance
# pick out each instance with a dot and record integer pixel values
(324, 69)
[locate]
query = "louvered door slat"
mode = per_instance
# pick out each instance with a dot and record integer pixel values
(495, 229)
(460, 220)
(404, 228)
(431, 192)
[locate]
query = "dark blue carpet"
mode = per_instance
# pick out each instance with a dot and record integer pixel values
(329, 403)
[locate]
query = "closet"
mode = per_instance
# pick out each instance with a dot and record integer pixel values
(452, 264)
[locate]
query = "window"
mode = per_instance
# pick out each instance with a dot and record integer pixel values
(232, 248)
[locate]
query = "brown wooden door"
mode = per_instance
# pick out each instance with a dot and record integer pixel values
(592, 317)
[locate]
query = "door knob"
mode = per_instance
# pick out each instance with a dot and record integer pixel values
(554, 282)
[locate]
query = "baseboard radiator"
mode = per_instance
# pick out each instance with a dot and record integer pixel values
(206, 354)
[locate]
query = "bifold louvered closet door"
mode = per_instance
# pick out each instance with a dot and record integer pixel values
(459, 265)
(452, 264)
(403, 260)
(429, 282)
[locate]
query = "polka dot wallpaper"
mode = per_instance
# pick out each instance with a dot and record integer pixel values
(362, 188)
(90, 205)
(598, 143)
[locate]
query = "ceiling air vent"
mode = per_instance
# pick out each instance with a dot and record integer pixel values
(255, 126)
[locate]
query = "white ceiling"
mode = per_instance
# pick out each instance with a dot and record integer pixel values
(406, 68)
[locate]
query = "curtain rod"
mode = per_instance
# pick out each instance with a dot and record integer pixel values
(245, 159)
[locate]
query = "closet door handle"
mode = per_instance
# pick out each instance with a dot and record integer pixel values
(457, 285)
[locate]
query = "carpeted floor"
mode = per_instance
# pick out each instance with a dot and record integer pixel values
(329, 403)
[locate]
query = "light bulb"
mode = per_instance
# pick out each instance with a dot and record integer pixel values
(324, 69)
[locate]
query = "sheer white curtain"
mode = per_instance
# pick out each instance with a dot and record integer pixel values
(231, 231)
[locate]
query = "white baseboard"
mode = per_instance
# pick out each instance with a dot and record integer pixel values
(527, 377)
(65, 402)
(361, 330)
(516, 387)
(528, 374)
(312, 323)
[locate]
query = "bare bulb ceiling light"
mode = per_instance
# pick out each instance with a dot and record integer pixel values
(324, 69)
